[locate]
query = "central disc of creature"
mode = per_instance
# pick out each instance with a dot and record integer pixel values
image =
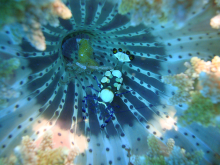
(77, 51)
(78, 55)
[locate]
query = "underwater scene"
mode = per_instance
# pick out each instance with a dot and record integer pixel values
(110, 82)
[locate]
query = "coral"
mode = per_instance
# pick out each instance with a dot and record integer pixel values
(28, 153)
(47, 142)
(71, 156)
(210, 86)
(164, 11)
(61, 10)
(6, 93)
(28, 16)
(55, 156)
(199, 75)
(179, 156)
(33, 33)
(137, 160)
(11, 160)
(201, 110)
(215, 68)
(145, 11)
(170, 144)
(197, 66)
(11, 11)
(199, 87)
(215, 21)
(153, 145)
(155, 160)
(8, 66)
(184, 83)
(170, 154)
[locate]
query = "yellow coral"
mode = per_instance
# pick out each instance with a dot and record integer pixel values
(215, 21)
(61, 10)
(27, 153)
(208, 75)
(216, 65)
(56, 156)
(71, 156)
(200, 75)
(47, 142)
(200, 65)
(8, 160)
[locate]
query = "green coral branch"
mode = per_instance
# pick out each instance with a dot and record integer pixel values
(201, 110)
(170, 154)
(7, 67)
(11, 11)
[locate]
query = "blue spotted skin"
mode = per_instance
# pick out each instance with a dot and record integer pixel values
(46, 103)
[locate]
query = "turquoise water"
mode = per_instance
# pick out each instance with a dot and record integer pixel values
(51, 94)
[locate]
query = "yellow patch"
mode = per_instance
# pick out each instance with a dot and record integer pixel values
(85, 53)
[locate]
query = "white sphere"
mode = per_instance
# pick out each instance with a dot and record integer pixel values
(107, 95)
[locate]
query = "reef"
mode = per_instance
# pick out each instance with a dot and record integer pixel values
(28, 153)
(7, 69)
(199, 88)
(215, 21)
(161, 11)
(169, 154)
(24, 18)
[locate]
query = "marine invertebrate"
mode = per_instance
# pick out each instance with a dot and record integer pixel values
(123, 56)
(162, 11)
(198, 87)
(7, 68)
(11, 11)
(199, 75)
(24, 19)
(168, 154)
(215, 21)
(47, 104)
(28, 153)
(201, 109)
(109, 87)
(184, 83)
